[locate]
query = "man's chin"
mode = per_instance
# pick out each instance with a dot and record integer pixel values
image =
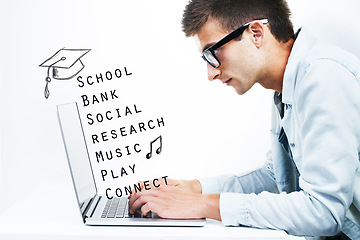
(240, 91)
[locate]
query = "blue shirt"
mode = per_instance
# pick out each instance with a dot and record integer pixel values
(310, 184)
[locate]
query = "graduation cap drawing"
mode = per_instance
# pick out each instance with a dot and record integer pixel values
(63, 65)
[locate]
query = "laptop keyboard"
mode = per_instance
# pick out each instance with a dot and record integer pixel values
(119, 208)
(116, 208)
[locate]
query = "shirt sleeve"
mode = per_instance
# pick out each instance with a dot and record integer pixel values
(253, 182)
(327, 103)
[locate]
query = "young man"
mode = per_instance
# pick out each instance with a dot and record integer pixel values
(310, 184)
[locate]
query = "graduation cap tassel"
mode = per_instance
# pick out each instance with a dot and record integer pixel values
(47, 92)
(48, 79)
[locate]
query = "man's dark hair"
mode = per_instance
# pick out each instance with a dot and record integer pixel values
(231, 14)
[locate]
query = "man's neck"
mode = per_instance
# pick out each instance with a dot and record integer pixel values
(278, 59)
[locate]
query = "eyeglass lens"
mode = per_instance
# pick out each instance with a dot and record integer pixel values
(211, 58)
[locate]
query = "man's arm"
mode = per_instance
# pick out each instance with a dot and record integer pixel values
(199, 198)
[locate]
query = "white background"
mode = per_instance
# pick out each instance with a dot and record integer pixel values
(209, 130)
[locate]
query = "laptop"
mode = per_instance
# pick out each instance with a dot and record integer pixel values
(95, 208)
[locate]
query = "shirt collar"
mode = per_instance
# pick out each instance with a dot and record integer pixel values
(304, 41)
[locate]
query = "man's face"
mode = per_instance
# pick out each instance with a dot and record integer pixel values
(240, 66)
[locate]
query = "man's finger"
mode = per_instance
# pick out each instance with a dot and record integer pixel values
(145, 209)
(139, 199)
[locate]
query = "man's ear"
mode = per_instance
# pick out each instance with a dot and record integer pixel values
(257, 31)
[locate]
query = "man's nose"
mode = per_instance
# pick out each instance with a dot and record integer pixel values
(213, 73)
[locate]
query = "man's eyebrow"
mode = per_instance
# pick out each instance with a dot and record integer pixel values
(208, 45)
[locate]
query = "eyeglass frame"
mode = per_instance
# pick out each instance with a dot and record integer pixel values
(234, 34)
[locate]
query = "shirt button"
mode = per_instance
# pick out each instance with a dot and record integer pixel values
(292, 145)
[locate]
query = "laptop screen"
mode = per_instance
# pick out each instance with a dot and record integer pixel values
(76, 151)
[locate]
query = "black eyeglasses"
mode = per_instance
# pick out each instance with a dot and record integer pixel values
(209, 54)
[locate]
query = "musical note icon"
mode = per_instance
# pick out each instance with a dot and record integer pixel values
(158, 150)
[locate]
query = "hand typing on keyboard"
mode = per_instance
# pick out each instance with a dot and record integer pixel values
(177, 200)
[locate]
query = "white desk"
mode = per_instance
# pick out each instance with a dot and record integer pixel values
(51, 212)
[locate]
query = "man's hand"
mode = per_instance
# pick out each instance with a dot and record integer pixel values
(178, 199)
(192, 186)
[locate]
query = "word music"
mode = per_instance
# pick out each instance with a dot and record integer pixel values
(101, 155)
(111, 154)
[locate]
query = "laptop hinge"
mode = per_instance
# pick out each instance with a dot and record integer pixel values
(89, 211)
(85, 207)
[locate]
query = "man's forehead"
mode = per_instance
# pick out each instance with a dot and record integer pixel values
(209, 34)
(201, 46)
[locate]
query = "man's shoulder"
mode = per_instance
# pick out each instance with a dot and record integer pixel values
(317, 64)
(325, 52)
